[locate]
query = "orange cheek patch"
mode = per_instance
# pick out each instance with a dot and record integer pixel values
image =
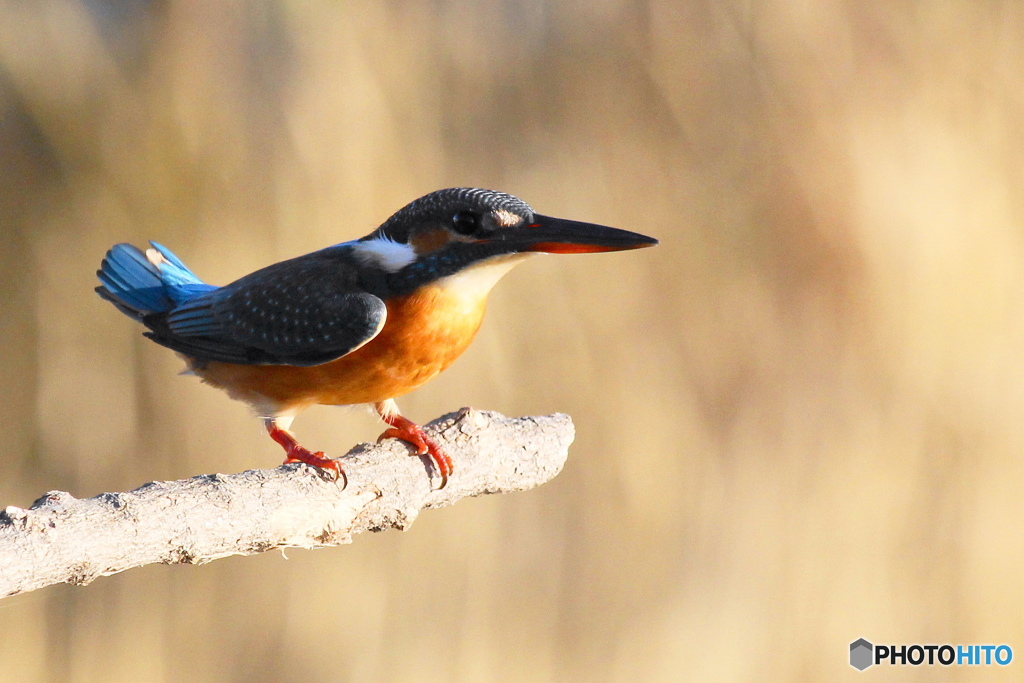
(426, 242)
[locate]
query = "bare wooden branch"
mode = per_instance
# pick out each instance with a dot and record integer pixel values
(194, 521)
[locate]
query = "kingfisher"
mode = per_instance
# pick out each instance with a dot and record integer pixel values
(360, 322)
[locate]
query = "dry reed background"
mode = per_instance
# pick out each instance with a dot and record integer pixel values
(800, 417)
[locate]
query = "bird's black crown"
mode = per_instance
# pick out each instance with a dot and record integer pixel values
(453, 208)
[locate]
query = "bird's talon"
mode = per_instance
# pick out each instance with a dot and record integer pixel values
(333, 474)
(417, 441)
(412, 434)
(327, 469)
(392, 433)
(296, 452)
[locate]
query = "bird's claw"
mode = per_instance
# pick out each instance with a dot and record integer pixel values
(414, 435)
(296, 452)
(324, 465)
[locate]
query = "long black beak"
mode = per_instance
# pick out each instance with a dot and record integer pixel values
(561, 236)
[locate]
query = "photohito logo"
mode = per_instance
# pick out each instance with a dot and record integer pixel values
(863, 654)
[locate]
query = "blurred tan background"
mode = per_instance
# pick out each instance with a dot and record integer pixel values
(800, 419)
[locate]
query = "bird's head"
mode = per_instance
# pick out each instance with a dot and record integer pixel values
(450, 231)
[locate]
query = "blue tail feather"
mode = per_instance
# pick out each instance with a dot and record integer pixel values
(125, 269)
(138, 287)
(169, 255)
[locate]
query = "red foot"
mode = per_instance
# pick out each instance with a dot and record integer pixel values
(410, 432)
(295, 452)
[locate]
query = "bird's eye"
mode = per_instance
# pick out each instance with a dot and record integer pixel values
(465, 222)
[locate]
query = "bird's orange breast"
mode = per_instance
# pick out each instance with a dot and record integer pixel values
(424, 332)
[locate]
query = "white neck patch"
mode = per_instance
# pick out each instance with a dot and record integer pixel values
(476, 280)
(390, 255)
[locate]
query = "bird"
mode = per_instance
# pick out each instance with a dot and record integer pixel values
(361, 322)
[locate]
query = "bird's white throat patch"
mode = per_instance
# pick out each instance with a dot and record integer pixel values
(390, 255)
(475, 281)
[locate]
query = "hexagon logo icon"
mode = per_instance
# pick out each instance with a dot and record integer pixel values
(861, 652)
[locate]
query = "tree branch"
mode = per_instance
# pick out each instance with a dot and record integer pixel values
(197, 520)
